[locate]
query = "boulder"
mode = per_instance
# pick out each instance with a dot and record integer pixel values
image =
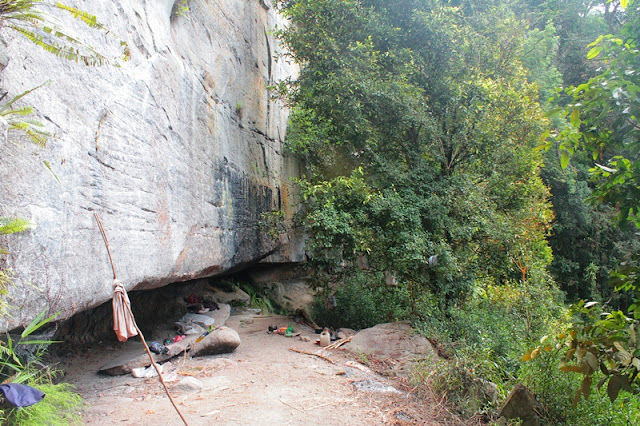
(343, 333)
(220, 341)
(521, 404)
(396, 342)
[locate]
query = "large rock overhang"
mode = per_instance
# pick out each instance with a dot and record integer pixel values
(179, 150)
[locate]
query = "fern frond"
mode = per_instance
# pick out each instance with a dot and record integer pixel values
(34, 24)
(48, 166)
(85, 17)
(18, 97)
(38, 137)
(20, 111)
(10, 225)
(69, 52)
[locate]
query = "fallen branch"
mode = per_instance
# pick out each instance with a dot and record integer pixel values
(338, 343)
(312, 354)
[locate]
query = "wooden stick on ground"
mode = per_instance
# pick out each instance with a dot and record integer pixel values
(146, 347)
(338, 343)
(291, 406)
(312, 354)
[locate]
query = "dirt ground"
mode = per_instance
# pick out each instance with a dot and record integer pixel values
(262, 383)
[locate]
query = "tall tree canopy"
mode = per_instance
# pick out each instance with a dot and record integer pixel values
(420, 124)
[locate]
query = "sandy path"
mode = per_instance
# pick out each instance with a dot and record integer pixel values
(261, 383)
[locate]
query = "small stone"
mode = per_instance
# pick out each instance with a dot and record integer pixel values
(188, 384)
(305, 338)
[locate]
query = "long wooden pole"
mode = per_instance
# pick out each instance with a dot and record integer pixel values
(128, 307)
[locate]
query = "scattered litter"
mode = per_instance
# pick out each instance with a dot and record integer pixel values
(20, 395)
(193, 299)
(370, 385)
(158, 348)
(325, 338)
(200, 319)
(206, 333)
(146, 372)
(188, 328)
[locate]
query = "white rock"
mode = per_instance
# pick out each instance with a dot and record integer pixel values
(188, 384)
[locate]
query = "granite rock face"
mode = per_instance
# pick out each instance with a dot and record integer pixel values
(179, 150)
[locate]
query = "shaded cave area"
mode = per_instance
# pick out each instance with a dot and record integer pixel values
(265, 289)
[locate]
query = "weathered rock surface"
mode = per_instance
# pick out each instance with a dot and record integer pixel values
(238, 296)
(285, 286)
(396, 342)
(179, 150)
(521, 405)
(220, 341)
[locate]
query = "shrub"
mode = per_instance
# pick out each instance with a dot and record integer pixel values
(362, 302)
(20, 363)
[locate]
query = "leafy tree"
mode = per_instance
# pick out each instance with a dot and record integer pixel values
(604, 121)
(419, 125)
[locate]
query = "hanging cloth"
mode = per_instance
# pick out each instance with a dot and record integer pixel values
(123, 321)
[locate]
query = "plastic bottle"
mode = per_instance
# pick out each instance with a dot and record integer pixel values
(325, 337)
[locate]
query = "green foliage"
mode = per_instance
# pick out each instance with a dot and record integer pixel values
(10, 225)
(362, 302)
(18, 119)
(587, 246)
(60, 405)
(540, 52)
(543, 377)
(274, 223)
(596, 342)
(260, 298)
(482, 337)
(603, 118)
(416, 149)
(30, 19)
(181, 9)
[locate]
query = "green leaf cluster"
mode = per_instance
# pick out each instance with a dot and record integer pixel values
(30, 19)
(419, 126)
